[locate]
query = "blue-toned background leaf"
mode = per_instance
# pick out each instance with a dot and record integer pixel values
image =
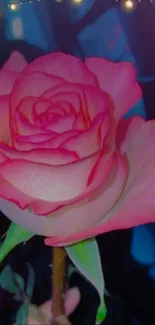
(15, 235)
(30, 281)
(22, 314)
(85, 256)
(20, 281)
(7, 281)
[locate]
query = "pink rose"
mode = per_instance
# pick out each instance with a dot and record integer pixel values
(67, 169)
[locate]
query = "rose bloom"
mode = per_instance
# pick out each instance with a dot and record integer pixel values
(70, 166)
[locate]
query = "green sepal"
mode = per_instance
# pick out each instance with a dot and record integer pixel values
(15, 235)
(101, 312)
(85, 256)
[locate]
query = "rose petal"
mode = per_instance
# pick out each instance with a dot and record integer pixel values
(25, 108)
(49, 140)
(98, 176)
(89, 141)
(45, 111)
(90, 100)
(96, 101)
(45, 156)
(4, 119)
(31, 85)
(66, 94)
(3, 158)
(48, 183)
(119, 81)
(62, 124)
(65, 106)
(31, 142)
(34, 139)
(137, 205)
(16, 62)
(9, 193)
(54, 110)
(79, 123)
(56, 141)
(41, 140)
(7, 81)
(10, 198)
(101, 171)
(15, 214)
(65, 66)
(23, 127)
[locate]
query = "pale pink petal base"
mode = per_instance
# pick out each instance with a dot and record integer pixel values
(25, 219)
(75, 218)
(65, 66)
(49, 182)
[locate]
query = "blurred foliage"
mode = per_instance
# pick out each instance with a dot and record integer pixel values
(15, 284)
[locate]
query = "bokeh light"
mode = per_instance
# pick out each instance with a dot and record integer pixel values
(77, 1)
(128, 5)
(14, 6)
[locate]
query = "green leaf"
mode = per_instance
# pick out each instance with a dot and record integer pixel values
(30, 281)
(7, 281)
(15, 235)
(22, 314)
(85, 256)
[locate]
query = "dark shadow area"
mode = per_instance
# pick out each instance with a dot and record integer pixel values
(148, 89)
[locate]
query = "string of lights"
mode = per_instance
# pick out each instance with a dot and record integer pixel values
(125, 4)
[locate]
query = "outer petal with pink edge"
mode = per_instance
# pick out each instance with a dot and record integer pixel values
(65, 66)
(45, 156)
(119, 81)
(91, 140)
(75, 218)
(35, 223)
(49, 182)
(137, 204)
(16, 62)
(10, 72)
(11, 197)
(9, 193)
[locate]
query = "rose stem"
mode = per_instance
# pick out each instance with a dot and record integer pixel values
(58, 286)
